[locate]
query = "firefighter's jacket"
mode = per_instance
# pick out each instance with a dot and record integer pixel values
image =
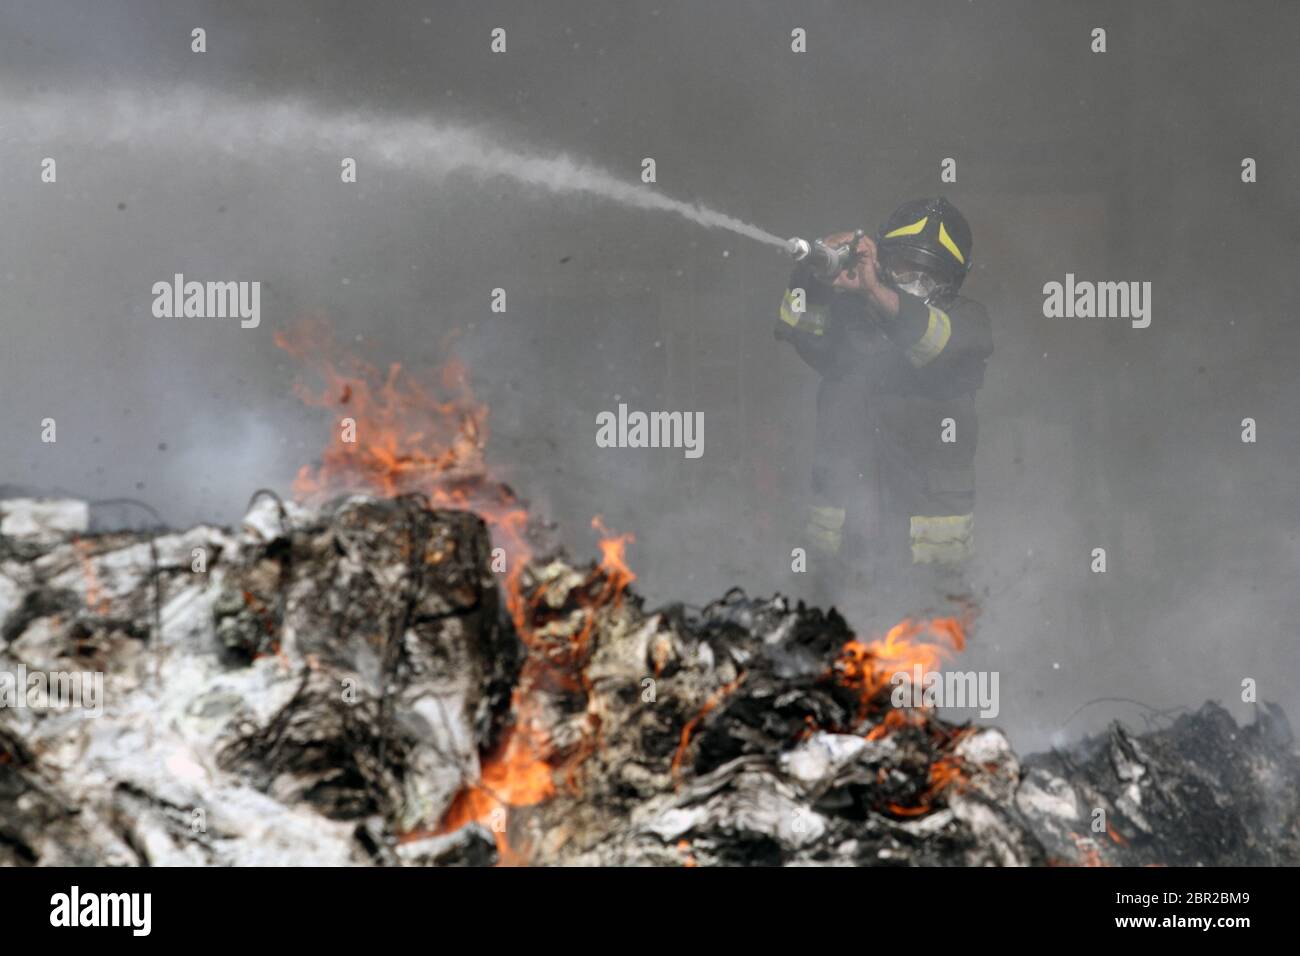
(896, 424)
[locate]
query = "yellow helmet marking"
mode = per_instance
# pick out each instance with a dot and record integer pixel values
(911, 230)
(945, 240)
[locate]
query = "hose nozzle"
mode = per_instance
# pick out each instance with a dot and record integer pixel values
(826, 261)
(800, 249)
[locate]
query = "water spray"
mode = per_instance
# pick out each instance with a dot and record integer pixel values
(243, 129)
(248, 130)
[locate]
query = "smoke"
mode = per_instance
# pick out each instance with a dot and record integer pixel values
(237, 128)
(1120, 166)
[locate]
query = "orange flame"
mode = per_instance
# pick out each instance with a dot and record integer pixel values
(513, 776)
(612, 562)
(1115, 836)
(398, 436)
(713, 700)
(95, 600)
(947, 772)
(867, 667)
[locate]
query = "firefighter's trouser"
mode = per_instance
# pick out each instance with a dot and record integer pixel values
(884, 484)
(933, 539)
(825, 529)
(941, 539)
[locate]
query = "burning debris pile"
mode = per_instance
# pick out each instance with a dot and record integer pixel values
(415, 677)
(353, 684)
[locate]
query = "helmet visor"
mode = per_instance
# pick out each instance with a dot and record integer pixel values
(915, 283)
(913, 271)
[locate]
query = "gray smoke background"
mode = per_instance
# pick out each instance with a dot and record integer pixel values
(1115, 166)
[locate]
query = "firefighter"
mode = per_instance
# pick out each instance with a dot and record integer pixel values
(900, 354)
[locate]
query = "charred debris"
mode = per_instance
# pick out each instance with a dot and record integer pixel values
(355, 685)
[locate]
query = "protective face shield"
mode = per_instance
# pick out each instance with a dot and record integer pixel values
(913, 281)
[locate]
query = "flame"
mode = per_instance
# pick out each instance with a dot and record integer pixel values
(684, 740)
(1115, 836)
(895, 720)
(513, 776)
(612, 562)
(95, 600)
(866, 667)
(947, 772)
(397, 435)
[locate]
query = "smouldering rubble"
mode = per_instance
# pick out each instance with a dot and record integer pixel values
(350, 685)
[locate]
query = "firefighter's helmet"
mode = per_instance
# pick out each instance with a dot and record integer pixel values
(930, 234)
